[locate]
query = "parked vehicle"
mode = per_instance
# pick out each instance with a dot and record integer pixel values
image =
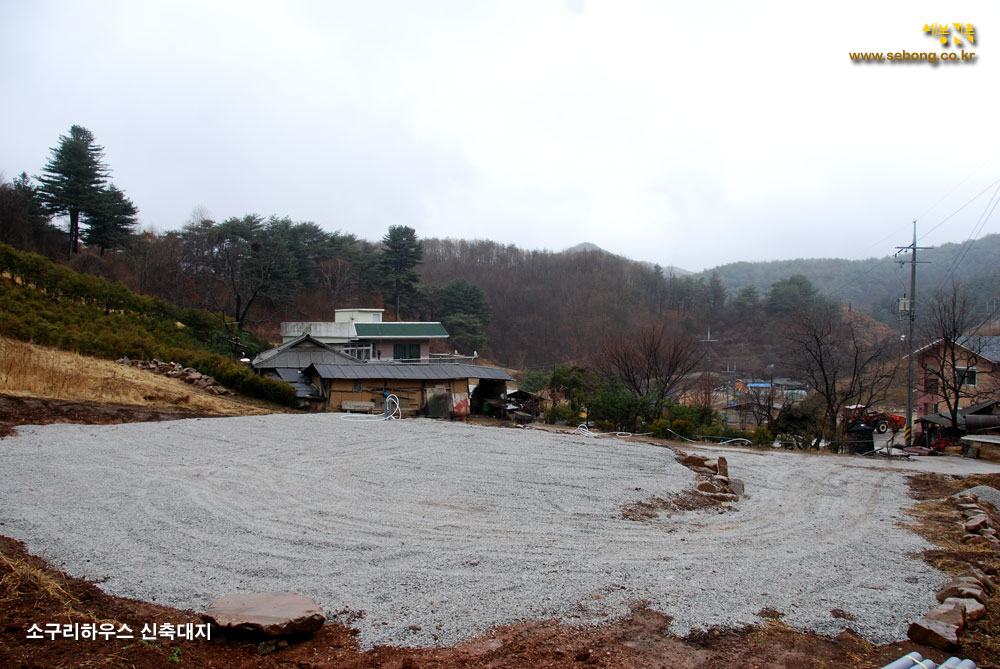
(880, 421)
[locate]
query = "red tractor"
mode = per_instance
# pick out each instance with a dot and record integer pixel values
(880, 421)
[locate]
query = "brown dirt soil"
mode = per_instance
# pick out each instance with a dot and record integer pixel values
(31, 592)
(15, 410)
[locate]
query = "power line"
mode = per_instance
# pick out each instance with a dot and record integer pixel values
(850, 282)
(954, 213)
(967, 245)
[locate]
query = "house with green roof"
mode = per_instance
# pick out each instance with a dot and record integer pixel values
(362, 334)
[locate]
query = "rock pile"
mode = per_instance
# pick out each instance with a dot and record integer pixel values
(976, 523)
(961, 599)
(177, 371)
(713, 477)
(965, 596)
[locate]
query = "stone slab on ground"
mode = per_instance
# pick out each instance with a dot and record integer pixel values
(269, 613)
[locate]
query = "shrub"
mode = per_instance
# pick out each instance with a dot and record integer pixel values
(683, 427)
(563, 412)
(761, 436)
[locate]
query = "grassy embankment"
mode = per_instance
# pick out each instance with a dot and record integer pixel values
(28, 370)
(50, 305)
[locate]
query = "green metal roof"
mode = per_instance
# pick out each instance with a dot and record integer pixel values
(400, 330)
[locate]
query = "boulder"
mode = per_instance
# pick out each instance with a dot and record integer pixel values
(691, 460)
(963, 590)
(736, 485)
(722, 466)
(974, 609)
(976, 523)
(933, 633)
(951, 611)
(705, 486)
(269, 613)
(980, 576)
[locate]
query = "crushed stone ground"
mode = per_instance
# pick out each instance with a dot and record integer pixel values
(438, 531)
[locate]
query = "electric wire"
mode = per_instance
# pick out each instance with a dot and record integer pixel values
(957, 211)
(973, 237)
(850, 282)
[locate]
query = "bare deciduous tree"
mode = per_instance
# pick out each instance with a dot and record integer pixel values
(847, 359)
(953, 359)
(652, 363)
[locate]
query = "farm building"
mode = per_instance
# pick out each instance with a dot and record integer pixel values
(431, 389)
(288, 362)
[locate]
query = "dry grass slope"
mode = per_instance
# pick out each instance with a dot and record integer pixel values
(27, 370)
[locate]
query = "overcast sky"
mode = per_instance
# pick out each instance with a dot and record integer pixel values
(689, 135)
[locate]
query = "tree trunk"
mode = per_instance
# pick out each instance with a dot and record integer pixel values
(74, 230)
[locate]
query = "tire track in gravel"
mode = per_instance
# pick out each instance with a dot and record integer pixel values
(455, 528)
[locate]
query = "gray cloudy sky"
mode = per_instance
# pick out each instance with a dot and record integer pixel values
(689, 134)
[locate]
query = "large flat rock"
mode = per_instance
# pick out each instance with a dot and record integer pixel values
(269, 613)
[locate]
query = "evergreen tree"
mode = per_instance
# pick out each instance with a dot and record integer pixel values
(402, 252)
(459, 296)
(23, 220)
(111, 221)
(73, 179)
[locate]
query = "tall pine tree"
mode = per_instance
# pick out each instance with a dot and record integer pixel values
(73, 179)
(402, 252)
(111, 221)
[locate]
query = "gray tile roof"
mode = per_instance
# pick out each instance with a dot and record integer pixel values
(291, 355)
(987, 347)
(431, 371)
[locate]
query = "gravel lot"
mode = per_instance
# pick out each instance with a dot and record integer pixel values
(439, 531)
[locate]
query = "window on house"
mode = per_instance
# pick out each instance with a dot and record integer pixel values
(931, 385)
(359, 351)
(965, 376)
(409, 352)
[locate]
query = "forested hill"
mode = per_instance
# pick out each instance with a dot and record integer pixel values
(873, 284)
(548, 308)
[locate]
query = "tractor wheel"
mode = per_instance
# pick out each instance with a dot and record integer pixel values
(882, 426)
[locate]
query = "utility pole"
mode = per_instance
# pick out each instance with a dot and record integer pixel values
(912, 317)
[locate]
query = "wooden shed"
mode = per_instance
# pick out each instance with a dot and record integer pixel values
(435, 389)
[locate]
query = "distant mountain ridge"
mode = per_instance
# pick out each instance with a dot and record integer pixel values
(668, 270)
(874, 283)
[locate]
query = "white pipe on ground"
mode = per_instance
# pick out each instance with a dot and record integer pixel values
(955, 663)
(908, 661)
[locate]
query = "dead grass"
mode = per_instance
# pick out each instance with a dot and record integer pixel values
(21, 576)
(28, 370)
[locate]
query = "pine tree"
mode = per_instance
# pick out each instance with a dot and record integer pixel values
(403, 251)
(73, 179)
(111, 220)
